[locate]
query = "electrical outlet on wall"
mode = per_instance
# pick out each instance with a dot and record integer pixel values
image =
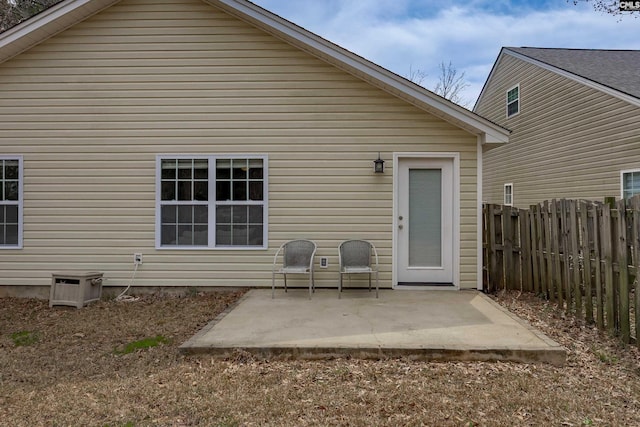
(137, 259)
(324, 262)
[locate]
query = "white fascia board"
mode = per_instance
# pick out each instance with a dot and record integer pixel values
(376, 74)
(589, 83)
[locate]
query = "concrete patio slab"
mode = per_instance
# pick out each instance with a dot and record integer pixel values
(425, 325)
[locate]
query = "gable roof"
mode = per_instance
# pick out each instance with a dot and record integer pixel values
(611, 71)
(69, 12)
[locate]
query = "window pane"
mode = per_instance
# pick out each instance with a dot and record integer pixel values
(185, 236)
(223, 190)
(255, 235)
(11, 169)
(239, 190)
(256, 169)
(240, 235)
(168, 169)
(200, 235)
(168, 214)
(240, 214)
(223, 235)
(168, 191)
(185, 214)
(201, 214)
(512, 108)
(201, 190)
(168, 235)
(184, 190)
(2, 208)
(223, 169)
(255, 214)
(11, 190)
(12, 235)
(223, 215)
(11, 215)
(185, 168)
(201, 169)
(256, 190)
(239, 169)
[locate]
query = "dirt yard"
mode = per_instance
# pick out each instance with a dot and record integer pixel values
(98, 366)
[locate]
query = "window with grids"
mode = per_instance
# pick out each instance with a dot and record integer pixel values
(212, 202)
(630, 183)
(513, 101)
(508, 194)
(10, 202)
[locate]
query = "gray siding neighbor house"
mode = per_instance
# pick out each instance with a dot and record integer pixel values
(574, 116)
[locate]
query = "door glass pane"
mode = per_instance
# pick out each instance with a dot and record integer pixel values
(425, 222)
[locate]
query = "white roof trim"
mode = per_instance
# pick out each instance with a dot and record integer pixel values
(65, 14)
(46, 24)
(590, 83)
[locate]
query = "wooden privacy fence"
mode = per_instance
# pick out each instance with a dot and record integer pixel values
(584, 256)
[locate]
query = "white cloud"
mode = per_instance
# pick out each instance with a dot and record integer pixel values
(404, 34)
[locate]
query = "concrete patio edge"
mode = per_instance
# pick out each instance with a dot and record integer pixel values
(208, 340)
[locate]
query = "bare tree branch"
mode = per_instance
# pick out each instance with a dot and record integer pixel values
(451, 84)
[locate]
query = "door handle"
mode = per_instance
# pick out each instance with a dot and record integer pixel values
(400, 226)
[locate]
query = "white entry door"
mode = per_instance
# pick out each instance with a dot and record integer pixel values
(425, 221)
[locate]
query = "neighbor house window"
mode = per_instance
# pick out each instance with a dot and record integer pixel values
(630, 183)
(11, 202)
(508, 194)
(513, 101)
(211, 202)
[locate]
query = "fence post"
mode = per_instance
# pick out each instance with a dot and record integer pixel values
(574, 232)
(495, 228)
(549, 249)
(597, 255)
(564, 245)
(534, 249)
(555, 248)
(623, 263)
(608, 268)
(507, 252)
(586, 260)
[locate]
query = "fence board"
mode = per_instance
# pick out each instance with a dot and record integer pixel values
(535, 260)
(556, 238)
(623, 262)
(585, 252)
(574, 236)
(597, 274)
(607, 255)
(549, 255)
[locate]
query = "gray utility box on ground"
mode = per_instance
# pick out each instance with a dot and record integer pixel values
(75, 288)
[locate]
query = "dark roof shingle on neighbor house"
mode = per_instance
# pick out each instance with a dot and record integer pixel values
(617, 69)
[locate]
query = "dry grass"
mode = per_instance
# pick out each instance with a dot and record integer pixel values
(73, 374)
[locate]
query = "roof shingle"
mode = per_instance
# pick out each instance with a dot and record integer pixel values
(617, 69)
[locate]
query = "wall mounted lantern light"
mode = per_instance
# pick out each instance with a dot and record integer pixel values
(378, 165)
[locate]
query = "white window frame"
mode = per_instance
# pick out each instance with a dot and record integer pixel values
(507, 103)
(19, 202)
(622, 174)
(506, 202)
(211, 202)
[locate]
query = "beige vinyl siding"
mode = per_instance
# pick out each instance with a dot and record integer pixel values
(569, 140)
(91, 108)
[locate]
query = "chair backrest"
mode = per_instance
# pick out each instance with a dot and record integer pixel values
(298, 253)
(355, 253)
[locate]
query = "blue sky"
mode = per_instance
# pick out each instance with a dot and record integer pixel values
(404, 35)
